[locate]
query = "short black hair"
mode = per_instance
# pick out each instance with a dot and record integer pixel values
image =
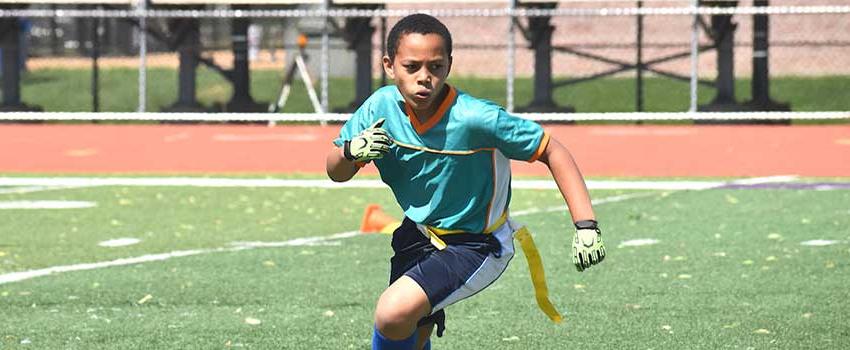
(419, 23)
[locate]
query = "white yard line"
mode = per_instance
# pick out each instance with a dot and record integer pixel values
(24, 189)
(120, 242)
(644, 185)
(38, 205)
(820, 242)
(33, 189)
(638, 242)
(237, 246)
(183, 182)
(600, 201)
(662, 185)
(296, 242)
(622, 185)
(235, 182)
(25, 275)
(764, 180)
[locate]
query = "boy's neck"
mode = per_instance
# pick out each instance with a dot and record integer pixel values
(425, 114)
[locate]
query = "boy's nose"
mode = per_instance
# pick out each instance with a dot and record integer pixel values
(424, 78)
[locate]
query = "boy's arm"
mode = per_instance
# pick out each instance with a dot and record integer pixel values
(340, 169)
(570, 182)
(372, 143)
(588, 249)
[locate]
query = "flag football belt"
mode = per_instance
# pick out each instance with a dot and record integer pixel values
(532, 256)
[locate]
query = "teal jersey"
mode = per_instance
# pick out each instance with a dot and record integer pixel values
(453, 171)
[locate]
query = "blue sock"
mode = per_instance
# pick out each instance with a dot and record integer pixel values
(379, 342)
(427, 345)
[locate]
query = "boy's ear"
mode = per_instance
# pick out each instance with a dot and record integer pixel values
(388, 66)
(450, 67)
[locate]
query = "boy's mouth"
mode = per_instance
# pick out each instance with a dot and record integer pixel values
(423, 94)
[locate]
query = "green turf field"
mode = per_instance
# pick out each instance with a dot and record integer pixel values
(728, 272)
(69, 90)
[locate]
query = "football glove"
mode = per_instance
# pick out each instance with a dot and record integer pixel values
(371, 144)
(588, 249)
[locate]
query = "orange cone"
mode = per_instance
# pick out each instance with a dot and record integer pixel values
(375, 220)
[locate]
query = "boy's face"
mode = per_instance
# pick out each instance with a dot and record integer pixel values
(419, 70)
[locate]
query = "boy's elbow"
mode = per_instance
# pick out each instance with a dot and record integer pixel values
(338, 178)
(332, 165)
(336, 174)
(337, 169)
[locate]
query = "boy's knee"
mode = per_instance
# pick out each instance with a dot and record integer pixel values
(393, 318)
(396, 315)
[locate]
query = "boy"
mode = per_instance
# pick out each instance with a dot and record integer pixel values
(446, 157)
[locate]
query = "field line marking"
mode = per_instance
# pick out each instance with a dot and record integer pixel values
(45, 204)
(33, 189)
(237, 246)
(295, 242)
(763, 180)
(23, 189)
(24, 275)
(600, 201)
(315, 183)
(696, 186)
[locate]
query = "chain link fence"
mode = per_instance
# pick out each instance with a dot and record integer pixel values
(596, 50)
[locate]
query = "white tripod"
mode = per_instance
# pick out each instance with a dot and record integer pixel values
(298, 63)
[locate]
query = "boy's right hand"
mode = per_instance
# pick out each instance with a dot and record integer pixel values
(588, 249)
(371, 144)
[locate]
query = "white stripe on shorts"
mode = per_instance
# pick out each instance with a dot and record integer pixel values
(490, 269)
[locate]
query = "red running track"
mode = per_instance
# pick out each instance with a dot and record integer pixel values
(621, 151)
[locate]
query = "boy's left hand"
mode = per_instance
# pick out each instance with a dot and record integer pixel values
(371, 144)
(588, 248)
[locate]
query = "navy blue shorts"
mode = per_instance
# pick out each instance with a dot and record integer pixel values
(470, 263)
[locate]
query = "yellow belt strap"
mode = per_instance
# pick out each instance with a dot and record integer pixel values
(434, 237)
(434, 233)
(538, 278)
(535, 264)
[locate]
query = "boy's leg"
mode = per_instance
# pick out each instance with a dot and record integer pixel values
(466, 266)
(400, 307)
(424, 335)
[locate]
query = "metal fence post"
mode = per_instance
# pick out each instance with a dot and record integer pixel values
(326, 5)
(694, 56)
(639, 64)
(511, 57)
(141, 8)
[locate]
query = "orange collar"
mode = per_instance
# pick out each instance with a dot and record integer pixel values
(429, 123)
